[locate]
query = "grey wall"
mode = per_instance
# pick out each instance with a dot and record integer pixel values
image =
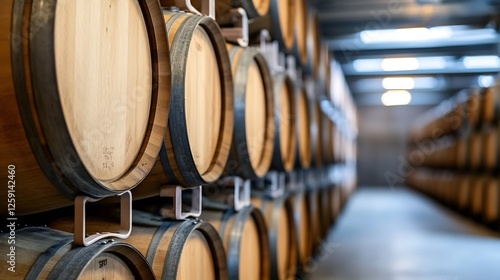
(383, 133)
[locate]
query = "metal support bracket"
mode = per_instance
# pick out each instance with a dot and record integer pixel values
(80, 220)
(275, 58)
(241, 189)
(207, 7)
(177, 211)
(239, 33)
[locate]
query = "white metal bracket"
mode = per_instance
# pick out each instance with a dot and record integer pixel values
(80, 220)
(239, 33)
(270, 49)
(177, 211)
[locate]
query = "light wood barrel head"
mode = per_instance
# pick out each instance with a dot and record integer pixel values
(250, 252)
(107, 266)
(261, 6)
(492, 200)
(285, 225)
(283, 20)
(103, 65)
(304, 130)
(196, 252)
(300, 31)
(202, 99)
(255, 114)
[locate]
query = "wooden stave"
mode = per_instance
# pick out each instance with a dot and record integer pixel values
(279, 162)
(239, 162)
(271, 210)
(232, 236)
(304, 151)
(179, 167)
(54, 161)
(149, 231)
(60, 260)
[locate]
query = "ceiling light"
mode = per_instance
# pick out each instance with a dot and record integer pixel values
(398, 83)
(400, 64)
(485, 81)
(486, 61)
(396, 98)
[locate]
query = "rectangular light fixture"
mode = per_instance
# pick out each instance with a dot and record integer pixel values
(478, 62)
(396, 98)
(401, 64)
(398, 83)
(406, 34)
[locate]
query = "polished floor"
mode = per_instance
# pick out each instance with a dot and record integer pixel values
(397, 234)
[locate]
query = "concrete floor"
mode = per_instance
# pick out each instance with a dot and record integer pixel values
(397, 234)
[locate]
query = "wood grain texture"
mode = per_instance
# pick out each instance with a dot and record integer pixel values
(197, 142)
(171, 247)
(282, 236)
(253, 139)
(42, 253)
(300, 32)
(35, 93)
(285, 142)
(304, 152)
(245, 239)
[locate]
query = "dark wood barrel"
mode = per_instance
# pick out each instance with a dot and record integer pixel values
(63, 130)
(474, 150)
(300, 32)
(491, 148)
(253, 136)
(315, 217)
(313, 44)
(492, 202)
(285, 140)
(490, 107)
(282, 236)
(44, 253)
(303, 119)
(477, 185)
(188, 250)
(245, 239)
(463, 195)
(304, 231)
(196, 145)
(316, 117)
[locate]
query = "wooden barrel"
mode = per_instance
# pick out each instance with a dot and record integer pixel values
(285, 125)
(245, 238)
(282, 18)
(44, 253)
(253, 136)
(196, 145)
(334, 203)
(316, 117)
(314, 198)
(477, 195)
(303, 227)
(281, 227)
(86, 118)
(491, 147)
(324, 71)
(313, 44)
(327, 140)
(492, 202)
(253, 8)
(474, 151)
(490, 103)
(189, 249)
(300, 32)
(303, 119)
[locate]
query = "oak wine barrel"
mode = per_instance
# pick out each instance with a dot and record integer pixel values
(86, 118)
(253, 134)
(246, 242)
(285, 124)
(282, 13)
(303, 119)
(304, 232)
(300, 32)
(44, 253)
(200, 125)
(281, 227)
(491, 148)
(492, 202)
(189, 249)
(253, 8)
(313, 44)
(327, 140)
(490, 107)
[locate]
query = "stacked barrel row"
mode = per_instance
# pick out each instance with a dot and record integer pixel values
(455, 154)
(105, 97)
